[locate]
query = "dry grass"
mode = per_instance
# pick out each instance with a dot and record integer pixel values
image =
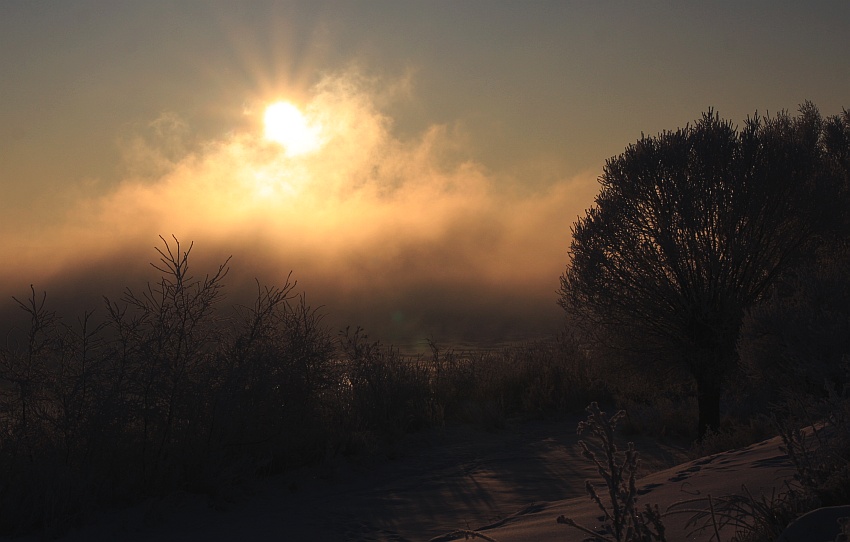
(623, 520)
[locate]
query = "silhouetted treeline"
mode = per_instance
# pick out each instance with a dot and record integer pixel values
(169, 389)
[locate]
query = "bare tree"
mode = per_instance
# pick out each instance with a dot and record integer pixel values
(690, 229)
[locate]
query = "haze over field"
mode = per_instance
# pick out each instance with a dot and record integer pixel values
(424, 163)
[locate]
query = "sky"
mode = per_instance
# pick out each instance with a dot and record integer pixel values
(432, 161)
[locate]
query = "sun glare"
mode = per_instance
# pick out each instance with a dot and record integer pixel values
(286, 124)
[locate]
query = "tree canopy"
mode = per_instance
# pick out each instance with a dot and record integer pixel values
(692, 227)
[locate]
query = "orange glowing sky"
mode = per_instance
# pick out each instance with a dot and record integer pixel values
(423, 164)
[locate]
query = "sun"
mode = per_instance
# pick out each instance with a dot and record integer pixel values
(286, 124)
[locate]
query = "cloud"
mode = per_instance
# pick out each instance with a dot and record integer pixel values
(400, 234)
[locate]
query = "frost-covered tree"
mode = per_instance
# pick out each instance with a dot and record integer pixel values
(692, 227)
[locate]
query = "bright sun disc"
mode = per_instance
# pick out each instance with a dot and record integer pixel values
(288, 126)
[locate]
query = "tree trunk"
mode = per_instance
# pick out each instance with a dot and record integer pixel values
(708, 402)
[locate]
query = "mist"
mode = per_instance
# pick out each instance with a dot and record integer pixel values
(402, 235)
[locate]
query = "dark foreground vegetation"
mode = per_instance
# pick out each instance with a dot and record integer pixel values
(171, 389)
(717, 257)
(815, 435)
(710, 300)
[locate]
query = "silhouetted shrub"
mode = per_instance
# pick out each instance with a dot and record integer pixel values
(171, 390)
(622, 519)
(165, 393)
(390, 394)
